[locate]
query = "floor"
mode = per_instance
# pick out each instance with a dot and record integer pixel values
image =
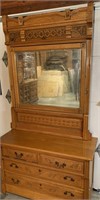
(95, 196)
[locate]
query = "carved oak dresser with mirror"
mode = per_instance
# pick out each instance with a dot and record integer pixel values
(48, 154)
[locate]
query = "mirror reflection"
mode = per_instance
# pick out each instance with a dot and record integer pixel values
(49, 77)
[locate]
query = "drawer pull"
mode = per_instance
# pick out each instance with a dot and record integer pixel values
(18, 156)
(68, 178)
(15, 181)
(69, 193)
(13, 165)
(60, 165)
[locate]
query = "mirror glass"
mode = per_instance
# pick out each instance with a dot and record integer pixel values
(49, 77)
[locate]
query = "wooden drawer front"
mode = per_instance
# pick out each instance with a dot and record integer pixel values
(20, 155)
(38, 172)
(61, 163)
(43, 187)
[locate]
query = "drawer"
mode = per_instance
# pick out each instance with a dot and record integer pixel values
(43, 173)
(61, 163)
(20, 154)
(43, 187)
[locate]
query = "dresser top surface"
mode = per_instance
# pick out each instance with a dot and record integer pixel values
(51, 144)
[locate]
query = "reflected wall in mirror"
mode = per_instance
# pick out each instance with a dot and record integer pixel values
(49, 77)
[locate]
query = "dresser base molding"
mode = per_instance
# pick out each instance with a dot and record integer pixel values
(29, 194)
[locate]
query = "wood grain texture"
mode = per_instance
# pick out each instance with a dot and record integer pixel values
(13, 7)
(43, 187)
(65, 29)
(48, 159)
(44, 173)
(50, 143)
(49, 28)
(49, 152)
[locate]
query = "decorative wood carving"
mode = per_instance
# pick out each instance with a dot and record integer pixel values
(67, 14)
(14, 36)
(49, 120)
(78, 31)
(61, 163)
(20, 20)
(48, 34)
(22, 35)
(45, 33)
(46, 27)
(45, 145)
(67, 27)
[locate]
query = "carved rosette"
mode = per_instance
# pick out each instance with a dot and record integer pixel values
(79, 31)
(14, 36)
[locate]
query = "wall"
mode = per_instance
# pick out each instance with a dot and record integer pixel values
(5, 111)
(94, 117)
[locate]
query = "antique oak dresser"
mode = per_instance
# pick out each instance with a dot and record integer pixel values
(48, 154)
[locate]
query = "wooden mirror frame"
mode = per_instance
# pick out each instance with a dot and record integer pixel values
(75, 27)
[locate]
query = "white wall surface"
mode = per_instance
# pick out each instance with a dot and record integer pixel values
(94, 117)
(5, 107)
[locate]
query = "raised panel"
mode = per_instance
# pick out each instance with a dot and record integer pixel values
(20, 154)
(63, 126)
(44, 173)
(62, 163)
(50, 120)
(43, 187)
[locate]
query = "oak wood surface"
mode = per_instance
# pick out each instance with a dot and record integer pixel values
(75, 28)
(13, 7)
(48, 143)
(43, 187)
(43, 173)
